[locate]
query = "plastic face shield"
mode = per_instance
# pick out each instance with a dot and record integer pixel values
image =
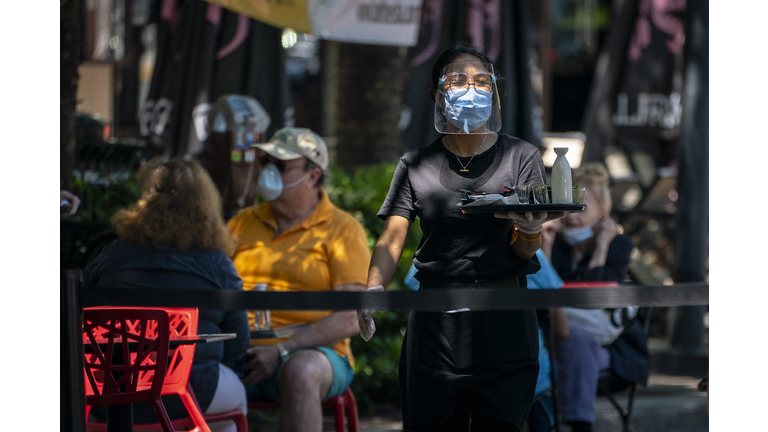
(467, 99)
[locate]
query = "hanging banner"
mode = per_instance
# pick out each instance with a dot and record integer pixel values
(635, 102)
(647, 104)
(377, 22)
(279, 13)
(203, 53)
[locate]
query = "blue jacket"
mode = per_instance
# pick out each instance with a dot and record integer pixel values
(125, 265)
(546, 278)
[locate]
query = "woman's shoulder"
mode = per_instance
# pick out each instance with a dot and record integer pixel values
(212, 264)
(512, 142)
(119, 251)
(426, 151)
(622, 244)
(217, 255)
(623, 240)
(116, 255)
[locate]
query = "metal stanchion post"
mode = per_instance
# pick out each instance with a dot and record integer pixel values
(72, 390)
(687, 345)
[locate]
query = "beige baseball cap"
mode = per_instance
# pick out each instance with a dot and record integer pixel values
(293, 143)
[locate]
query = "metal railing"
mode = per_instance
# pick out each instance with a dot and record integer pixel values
(73, 299)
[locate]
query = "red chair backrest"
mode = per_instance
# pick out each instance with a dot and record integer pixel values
(114, 374)
(181, 322)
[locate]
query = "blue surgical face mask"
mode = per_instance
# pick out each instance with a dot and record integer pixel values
(271, 182)
(578, 235)
(468, 111)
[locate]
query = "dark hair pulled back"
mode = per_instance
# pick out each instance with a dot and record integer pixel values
(451, 54)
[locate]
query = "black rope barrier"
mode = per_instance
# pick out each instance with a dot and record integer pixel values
(687, 294)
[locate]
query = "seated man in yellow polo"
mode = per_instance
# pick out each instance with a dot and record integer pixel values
(299, 241)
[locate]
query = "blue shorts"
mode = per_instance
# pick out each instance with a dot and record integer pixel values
(342, 378)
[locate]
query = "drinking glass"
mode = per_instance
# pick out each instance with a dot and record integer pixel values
(578, 194)
(540, 194)
(523, 194)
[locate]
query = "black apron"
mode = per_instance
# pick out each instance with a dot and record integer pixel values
(484, 362)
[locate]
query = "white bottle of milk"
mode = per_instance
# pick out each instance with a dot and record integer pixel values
(561, 178)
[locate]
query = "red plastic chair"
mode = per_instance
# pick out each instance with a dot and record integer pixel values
(183, 322)
(115, 375)
(341, 404)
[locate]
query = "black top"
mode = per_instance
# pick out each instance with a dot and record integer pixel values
(456, 247)
(615, 268)
(630, 358)
(125, 265)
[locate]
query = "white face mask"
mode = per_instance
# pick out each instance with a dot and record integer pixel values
(271, 183)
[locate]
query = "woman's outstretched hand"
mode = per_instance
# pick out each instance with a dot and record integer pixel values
(365, 318)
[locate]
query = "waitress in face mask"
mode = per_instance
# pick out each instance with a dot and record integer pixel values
(459, 367)
(587, 246)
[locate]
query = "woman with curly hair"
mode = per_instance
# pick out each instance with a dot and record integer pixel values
(174, 237)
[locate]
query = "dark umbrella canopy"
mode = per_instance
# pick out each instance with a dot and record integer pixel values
(635, 104)
(205, 52)
(500, 29)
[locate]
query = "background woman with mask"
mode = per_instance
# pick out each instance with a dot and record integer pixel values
(461, 367)
(588, 247)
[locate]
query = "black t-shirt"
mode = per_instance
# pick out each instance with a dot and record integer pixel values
(458, 247)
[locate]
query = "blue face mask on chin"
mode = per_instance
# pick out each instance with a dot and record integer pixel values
(578, 235)
(468, 111)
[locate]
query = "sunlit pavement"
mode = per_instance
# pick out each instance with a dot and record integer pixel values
(669, 403)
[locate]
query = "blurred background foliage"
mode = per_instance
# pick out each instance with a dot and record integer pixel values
(361, 191)
(84, 234)
(101, 195)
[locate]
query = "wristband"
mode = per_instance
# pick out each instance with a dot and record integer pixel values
(515, 235)
(283, 352)
(531, 239)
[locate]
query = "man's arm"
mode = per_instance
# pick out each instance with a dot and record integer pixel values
(330, 330)
(326, 332)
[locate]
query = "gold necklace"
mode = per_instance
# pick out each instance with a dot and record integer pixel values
(465, 168)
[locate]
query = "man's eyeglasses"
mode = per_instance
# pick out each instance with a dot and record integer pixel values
(459, 83)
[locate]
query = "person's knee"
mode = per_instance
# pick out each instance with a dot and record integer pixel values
(304, 374)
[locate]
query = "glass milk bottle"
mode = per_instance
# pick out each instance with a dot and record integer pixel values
(561, 178)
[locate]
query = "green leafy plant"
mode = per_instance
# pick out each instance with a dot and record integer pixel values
(101, 195)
